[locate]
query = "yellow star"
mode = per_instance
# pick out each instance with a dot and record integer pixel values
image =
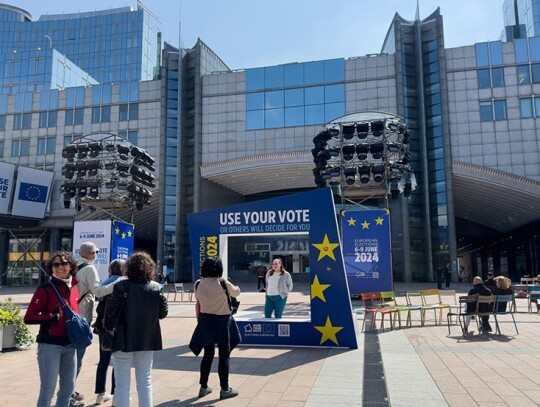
(326, 248)
(328, 331)
(317, 289)
(379, 221)
(365, 224)
(129, 233)
(387, 210)
(123, 235)
(117, 231)
(352, 222)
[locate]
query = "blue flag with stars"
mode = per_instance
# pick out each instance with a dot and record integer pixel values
(123, 236)
(366, 249)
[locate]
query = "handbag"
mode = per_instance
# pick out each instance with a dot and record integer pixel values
(77, 327)
(234, 304)
(106, 338)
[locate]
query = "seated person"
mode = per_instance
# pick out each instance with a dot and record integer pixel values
(480, 289)
(503, 287)
(535, 300)
(490, 282)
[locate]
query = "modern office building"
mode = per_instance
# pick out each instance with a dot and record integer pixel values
(224, 137)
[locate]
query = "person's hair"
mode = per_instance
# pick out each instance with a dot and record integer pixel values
(140, 267)
(212, 267)
(503, 283)
(117, 267)
(477, 280)
(281, 268)
(63, 255)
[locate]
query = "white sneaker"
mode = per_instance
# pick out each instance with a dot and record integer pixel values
(113, 403)
(102, 398)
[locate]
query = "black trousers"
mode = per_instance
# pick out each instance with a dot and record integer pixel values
(261, 281)
(223, 365)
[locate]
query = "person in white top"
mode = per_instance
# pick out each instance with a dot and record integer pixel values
(278, 285)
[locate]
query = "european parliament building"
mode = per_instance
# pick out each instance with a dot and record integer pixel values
(221, 137)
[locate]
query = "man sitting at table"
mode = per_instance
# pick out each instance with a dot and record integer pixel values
(480, 289)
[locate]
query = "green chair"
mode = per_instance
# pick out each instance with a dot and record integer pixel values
(503, 306)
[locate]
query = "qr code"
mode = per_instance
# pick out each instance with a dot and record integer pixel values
(284, 330)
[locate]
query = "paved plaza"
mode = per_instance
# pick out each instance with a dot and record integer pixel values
(418, 366)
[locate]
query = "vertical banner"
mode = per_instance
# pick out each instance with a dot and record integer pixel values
(7, 171)
(31, 192)
(99, 232)
(331, 322)
(122, 239)
(366, 250)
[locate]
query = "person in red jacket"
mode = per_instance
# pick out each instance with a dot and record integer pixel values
(56, 356)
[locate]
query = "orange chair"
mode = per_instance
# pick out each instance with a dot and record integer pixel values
(374, 305)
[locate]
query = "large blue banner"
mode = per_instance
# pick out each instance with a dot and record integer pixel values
(122, 238)
(366, 249)
(331, 322)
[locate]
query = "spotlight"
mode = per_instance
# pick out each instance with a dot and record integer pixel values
(377, 128)
(333, 133)
(139, 206)
(347, 131)
(406, 137)
(392, 126)
(406, 157)
(363, 172)
(394, 189)
(67, 203)
(378, 173)
(377, 150)
(81, 193)
(95, 148)
(110, 147)
(362, 129)
(69, 152)
(348, 152)
(82, 149)
(335, 172)
(362, 151)
(349, 174)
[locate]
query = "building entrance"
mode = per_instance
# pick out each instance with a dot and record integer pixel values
(293, 262)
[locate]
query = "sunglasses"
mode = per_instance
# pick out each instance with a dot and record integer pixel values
(64, 263)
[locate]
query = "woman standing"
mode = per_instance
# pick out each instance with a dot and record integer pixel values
(278, 285)
(133, 313)
(116, 272)
(56, 356)
(214, 325)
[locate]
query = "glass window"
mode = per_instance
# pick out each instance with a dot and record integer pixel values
(134, 91)
(486, 111)
(497, 77)
(53, 118)
(526, 107)
(255, 120)
(314, 95)
(2, 122)
(521, 50)
(537, 106)
(41, 145)
(133, 136)
(17, 121)
(293, 74)
(133, 111)
(15, 148)
(495, 49)
(500, 109)
(314, 114)
(523, 75)
(294, 116)
(534, 46)
(43, 120)
(1, 148)
(274, 118)
(255, 79)
(69, 117)
(273, 99)
(3, 103)
(482, 55)
(70, 97)
(25, 148)
(96, 113)
(124, 92)
(67, 139)
(106, 93)
(314, 72)
(19, 102)
(27, 121)
(334, 70)
(294, 97)
(333, 111)
(79, 116)
(273, 77)
(105, 114)
(535, 68)
(255, 101)
(123, 112)
(334, 93)
(96, 95)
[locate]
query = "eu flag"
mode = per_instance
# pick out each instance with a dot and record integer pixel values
(33, 192)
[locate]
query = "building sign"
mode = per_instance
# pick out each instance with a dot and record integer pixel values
(31, 193)
(331, 322)
(7, 171)
(99, 232)
(122, 238)
(366, 249)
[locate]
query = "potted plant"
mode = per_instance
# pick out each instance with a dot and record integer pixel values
(15, 332)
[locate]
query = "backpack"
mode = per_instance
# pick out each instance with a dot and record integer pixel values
(78, 330)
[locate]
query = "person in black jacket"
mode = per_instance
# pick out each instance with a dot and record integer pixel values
(480, 289)
(490, 282)
(135, 308)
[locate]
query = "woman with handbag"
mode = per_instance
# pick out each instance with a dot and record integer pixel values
(56, 355)
(116, 273)
(133, 313)
(215, 325)
(278, 285)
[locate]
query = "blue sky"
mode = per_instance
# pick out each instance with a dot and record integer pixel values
(252, 33)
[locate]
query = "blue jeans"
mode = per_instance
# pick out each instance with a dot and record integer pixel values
(101, 371)
(142, 362)
(274, 303)
(56, 361)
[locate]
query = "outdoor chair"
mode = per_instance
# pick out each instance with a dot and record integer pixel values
(461, 313)
(388, 298)
(373, 305)
(507, 301)
(414, 301)
(450, 297)
(534, 297)
(484, 311)
(431, 300)
(178, 288)
(527, 280)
